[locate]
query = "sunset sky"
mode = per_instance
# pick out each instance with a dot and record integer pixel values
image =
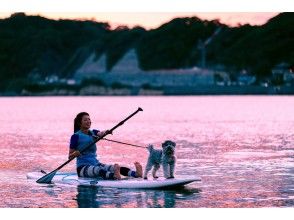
(155, 19)
(150, 13)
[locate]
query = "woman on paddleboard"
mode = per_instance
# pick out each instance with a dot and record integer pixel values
(87, 163)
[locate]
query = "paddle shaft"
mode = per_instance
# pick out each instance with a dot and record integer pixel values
(134, 145)
(89, 145)
(101, 137)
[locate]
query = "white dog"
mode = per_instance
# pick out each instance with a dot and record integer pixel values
(166, 157)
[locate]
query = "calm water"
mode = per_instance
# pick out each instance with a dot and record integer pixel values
(241, 147)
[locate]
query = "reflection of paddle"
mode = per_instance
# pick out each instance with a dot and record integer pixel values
(48, 177)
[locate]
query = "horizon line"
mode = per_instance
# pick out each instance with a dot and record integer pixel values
(156, 19)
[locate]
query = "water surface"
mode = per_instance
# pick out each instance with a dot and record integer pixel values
(240, 146)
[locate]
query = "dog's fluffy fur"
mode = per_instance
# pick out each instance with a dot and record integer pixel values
(166, 157)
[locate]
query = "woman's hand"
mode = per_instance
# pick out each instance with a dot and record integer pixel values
(75, 153)
(103, 133)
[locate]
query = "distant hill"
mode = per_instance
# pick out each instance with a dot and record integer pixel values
(174, 44)
(258, 48)
(33, 44)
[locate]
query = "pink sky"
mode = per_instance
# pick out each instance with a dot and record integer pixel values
(155, 19)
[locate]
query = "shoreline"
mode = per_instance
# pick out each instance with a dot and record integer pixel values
(163, 91)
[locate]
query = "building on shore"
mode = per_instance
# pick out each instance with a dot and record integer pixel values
(127, 71)
(283, 73)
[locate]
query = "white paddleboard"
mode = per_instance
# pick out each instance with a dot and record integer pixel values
(130, 183)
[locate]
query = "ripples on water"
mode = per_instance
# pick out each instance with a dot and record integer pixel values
(241, 147)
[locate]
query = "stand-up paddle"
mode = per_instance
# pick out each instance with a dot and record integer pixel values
(48, 177)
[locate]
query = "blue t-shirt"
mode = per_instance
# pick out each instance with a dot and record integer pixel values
(78, 141)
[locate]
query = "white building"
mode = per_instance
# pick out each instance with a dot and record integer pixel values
(127, 71)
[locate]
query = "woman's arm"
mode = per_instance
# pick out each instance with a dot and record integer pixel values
(73, 152)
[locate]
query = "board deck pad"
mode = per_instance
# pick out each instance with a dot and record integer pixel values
(128, 183)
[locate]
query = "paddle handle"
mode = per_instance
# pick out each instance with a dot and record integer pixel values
(123, 121)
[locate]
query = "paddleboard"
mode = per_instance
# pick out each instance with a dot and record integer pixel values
(128, 183)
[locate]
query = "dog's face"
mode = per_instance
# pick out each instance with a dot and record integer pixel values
(168, 147)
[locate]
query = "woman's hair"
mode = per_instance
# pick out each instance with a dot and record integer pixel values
(78, 121)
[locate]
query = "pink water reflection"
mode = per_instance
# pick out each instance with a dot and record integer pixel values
(241, 147)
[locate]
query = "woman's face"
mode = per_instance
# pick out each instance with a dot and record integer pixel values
(86, 122)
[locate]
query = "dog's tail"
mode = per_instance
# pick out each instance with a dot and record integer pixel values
(150, 147)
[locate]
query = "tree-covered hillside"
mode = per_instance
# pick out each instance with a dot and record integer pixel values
(33, 44)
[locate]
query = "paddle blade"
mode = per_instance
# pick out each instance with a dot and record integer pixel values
(47, 178)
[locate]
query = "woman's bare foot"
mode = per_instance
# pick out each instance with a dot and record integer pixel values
(139, 170)
(116, 172)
